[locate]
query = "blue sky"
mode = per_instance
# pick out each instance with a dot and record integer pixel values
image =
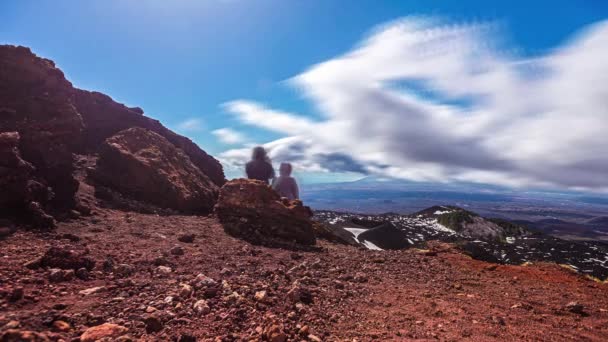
(184, 61)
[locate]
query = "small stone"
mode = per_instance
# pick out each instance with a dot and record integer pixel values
(185, 291)
(201, 307)
(164, 270)
(55, 275)
(124, 270)
(68, 275)
(314, 338)
(62, 326)
(104, 331)
(33, 264)
(575, 307)
(151, 309)
(153, 324)
(186, 238)
(92, 290)
(177, 250)
(260, 296)
(60, 306)
(304, 331)
(11, 325)
(82, 273)
(186, 338)
(360, 277)
(16, 294)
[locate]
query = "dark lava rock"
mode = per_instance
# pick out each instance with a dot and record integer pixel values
(186, 238)
(153, 324)
(67, 257)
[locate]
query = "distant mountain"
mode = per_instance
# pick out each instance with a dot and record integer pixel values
(488, 239)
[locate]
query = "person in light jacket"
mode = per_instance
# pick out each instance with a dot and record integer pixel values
(285, 185)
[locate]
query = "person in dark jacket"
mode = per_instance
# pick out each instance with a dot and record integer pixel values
(260, 166)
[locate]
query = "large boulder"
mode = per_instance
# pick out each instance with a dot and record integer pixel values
(104, 117)
(145, 166)
(22, 195)
(37, 101)
(251, 210)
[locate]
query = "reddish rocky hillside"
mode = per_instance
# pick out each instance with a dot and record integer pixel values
(183, 278)
(50, 124)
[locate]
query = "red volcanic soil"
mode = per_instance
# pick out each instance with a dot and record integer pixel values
(335, 293)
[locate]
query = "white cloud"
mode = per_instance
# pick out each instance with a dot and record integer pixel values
(191, 125)
(229, 136)
(424, 99)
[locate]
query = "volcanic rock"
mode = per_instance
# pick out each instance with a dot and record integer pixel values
(104, 331)
(105, 117)
(36, 101)
(145, 166)
(67, 257)
(20, 191)
(251, 210)
(15, 335)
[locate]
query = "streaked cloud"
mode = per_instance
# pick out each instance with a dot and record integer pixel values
(229, 136)
(191, 125)
(425, 99)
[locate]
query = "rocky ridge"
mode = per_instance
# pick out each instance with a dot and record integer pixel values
(54, 123)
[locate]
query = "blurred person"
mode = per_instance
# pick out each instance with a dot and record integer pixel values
(285, 185)
(260, 166)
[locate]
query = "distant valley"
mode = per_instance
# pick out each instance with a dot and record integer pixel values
(568, 215)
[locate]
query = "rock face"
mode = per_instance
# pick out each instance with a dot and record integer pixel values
(56, 121)
(21, 193)
(251, 210)
(145, 166)
(104, 118)
(37, 101)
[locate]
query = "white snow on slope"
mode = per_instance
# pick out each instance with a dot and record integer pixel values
(356, 232)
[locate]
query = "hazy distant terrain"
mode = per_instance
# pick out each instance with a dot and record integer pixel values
(570, 215)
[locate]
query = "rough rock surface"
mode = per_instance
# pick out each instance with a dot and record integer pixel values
(56, 121)
(144, 165)
(21, 194)
(345, 293)
(251, 210)
(36, 101)
(104, 118)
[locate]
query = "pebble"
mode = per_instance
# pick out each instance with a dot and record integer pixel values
(92, 290)
(153, 324)
(186, 238)
(201, 307)
(177, 250)
(164, 270)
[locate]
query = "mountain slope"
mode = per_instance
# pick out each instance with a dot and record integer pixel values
(492, 240)
(338, 292)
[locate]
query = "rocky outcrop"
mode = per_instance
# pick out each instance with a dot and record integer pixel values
(251, 210)
(37, 101)
(145, 166)
(55, 121)
(21, 194)
(105, 117)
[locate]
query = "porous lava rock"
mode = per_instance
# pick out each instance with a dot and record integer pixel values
(251, 210)
(21, 194)
(67, 257)
(145, 166)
